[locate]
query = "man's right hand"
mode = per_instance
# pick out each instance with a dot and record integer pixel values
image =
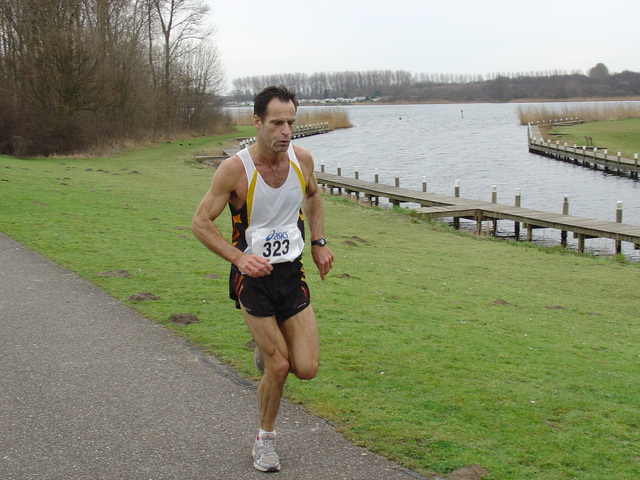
(254, 265)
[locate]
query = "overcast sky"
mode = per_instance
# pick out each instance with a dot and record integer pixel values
(262, 37)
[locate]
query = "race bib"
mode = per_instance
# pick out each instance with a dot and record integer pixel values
(281, 244)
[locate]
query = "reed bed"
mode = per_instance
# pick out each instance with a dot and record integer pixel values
(336, 117)
(589, 112)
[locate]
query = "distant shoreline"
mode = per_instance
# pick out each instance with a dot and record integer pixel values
(304, 103)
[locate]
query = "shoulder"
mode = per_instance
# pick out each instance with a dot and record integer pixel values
(230, 173)
(304, 157)
(231, 166)
(306, 165)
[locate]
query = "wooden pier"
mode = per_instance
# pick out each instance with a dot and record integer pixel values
(586, 156)
(437, 206)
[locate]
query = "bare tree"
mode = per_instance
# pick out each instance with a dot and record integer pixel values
(73, 72)
(180, 25)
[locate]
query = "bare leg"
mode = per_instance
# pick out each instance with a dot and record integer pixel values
(291, 346)
(301, 335)
(273, 347)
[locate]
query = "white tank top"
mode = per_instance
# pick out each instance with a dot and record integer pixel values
(273, 214)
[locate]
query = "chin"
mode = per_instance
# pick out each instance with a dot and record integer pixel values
(279, 147)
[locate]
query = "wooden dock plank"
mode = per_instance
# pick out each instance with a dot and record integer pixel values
(438, 206)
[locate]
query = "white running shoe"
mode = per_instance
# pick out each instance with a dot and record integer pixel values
(258, 361)
(265, 457)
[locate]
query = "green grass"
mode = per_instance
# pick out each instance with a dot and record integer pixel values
(615, 135)
(592, 111)
(439, 349)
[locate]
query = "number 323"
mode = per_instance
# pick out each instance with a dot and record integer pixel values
(275, 248)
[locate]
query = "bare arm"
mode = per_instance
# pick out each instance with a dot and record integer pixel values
(225, 183)
(322, 256)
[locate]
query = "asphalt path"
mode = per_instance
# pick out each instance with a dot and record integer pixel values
(89, 389)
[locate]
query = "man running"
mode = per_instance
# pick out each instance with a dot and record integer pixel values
(265, 186)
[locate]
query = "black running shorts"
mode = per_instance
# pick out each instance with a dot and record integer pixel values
(282, 294)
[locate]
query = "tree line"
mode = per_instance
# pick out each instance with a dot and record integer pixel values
(78, 73)
(403, 86)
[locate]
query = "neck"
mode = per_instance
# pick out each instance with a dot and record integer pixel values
(267, 156)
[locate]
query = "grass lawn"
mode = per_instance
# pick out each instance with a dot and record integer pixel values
(439, 349)
(615, 135)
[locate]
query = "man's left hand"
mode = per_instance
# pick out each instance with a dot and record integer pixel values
(323, 258)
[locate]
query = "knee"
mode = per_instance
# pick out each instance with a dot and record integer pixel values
(279, 368)
(306, 372)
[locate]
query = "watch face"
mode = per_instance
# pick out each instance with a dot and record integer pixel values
(321, 242)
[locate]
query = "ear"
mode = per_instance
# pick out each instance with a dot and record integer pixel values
(257, 122)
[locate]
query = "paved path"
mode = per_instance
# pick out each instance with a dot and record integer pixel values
(91, 390)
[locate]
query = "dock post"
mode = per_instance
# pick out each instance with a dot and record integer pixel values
(356, 175)
(565, 211)
(494, 199)
(324, 185)
(376, 178)
(339, 174)
(456, 220)
(516, 226)
(619, 155)
(424, 184)
(618, 220)
(396, 203)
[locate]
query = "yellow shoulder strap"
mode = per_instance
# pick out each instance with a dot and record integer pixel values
(300, 176)
(250, 192)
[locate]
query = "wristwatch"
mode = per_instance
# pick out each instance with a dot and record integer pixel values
(321, 242)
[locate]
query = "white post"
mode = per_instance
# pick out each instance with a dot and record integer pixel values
(618, 220)
(618, 212)
(516, 226)
(565, 211)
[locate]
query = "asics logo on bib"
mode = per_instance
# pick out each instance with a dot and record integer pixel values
(277, 236)
(280, 244)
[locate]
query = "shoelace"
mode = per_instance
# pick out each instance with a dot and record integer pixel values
(268, 446)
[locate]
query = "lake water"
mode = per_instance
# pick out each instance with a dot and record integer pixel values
(480, 145)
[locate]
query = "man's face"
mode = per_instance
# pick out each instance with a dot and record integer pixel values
(276, 128)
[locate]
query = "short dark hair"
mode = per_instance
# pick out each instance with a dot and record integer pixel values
(281, 92)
